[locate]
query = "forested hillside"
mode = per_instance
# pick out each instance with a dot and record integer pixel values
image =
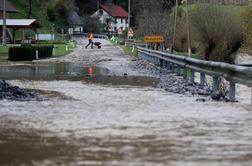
(53, 13)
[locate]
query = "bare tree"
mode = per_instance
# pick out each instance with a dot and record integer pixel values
(219, 32)
(154, 19)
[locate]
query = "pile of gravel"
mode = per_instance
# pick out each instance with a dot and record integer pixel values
(9, 92)
(176, 84)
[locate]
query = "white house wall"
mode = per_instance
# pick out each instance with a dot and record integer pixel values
(115, 25)
(120, 23)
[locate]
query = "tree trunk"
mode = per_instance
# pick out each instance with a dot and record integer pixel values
(30, 9)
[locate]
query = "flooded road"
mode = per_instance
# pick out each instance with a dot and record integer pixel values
(71, 71)
(117, 120)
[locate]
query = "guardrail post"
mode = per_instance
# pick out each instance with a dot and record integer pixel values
(157, 61)
(216, 83)
(231, 93)
(168, 65)
(133, 48)
(153, 59)
(202, 79)
(173, 67)
(192, 76)
(178, 70)
(164, 64)
(185, 72)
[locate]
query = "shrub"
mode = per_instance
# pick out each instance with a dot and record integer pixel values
(44, 50)
(20, 54)
(247, 26)
(218, 32)
(28, 52)
(52, 42)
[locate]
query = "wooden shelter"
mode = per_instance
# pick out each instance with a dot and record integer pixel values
(23, 24)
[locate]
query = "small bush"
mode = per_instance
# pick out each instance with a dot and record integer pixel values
(44, 50)
(21, 54)
(28, 52)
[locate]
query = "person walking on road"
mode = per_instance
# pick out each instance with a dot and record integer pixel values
(90, 40)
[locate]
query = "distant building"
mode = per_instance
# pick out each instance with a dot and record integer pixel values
(75, 24)
(114, 16)
(13, 25)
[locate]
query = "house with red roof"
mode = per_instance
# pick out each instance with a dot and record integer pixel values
(114, 16)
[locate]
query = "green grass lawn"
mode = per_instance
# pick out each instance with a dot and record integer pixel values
(127, 50)
(60, 50)
(63, 49)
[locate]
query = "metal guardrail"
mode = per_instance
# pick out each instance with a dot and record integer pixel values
(232, 73)
(134, 43)
(99, 36)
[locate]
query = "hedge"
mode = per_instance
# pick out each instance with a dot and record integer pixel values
(28, 52)
(52, 42)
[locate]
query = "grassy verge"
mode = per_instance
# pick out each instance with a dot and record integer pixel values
(60, 50)
(196, 56)
(4, 52)
(63, 49)
(127, 50)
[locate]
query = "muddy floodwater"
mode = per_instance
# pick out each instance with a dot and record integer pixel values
(117, 120)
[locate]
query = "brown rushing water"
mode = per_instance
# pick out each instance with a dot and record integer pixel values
(104, 124)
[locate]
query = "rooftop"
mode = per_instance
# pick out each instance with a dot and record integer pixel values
(115, 10)
(21, 23)
(74, 18)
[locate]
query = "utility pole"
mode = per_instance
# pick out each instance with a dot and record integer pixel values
(175, 27)
(188, 30)
(98, 4)
(4, 22)
(128, 18)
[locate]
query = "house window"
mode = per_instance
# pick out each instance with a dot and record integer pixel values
(101, 12)
(115, 28)
(121, 20)
(115, 20)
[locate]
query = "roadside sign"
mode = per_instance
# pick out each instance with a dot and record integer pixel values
(154, 39)
(119, 31)
(130, 32)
